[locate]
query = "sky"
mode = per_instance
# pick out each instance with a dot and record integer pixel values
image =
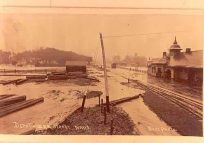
(125, 32)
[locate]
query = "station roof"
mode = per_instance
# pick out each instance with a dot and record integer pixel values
(194, 59)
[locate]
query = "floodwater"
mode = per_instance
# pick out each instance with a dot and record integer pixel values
(185, 89)
(146, 121)
(61, 99)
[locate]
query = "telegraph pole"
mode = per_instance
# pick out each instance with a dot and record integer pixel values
(105, 73)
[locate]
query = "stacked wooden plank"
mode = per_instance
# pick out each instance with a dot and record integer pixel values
(10, 103)
(10, 81)
(15, 81)
(12, 100)
(57, 76)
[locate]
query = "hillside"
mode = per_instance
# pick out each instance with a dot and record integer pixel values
(42, 57)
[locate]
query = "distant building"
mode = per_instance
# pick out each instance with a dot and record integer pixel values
(181, 66)
(76, 66)
(113, 65)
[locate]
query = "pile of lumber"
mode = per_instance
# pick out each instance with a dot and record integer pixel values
(10, 81)
(10, 103)
(15, 81)
(36, 77)
(57, 76)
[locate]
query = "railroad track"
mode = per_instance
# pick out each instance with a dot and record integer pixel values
(192, 105)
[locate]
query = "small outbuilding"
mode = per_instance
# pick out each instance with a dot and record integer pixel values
(76, 66)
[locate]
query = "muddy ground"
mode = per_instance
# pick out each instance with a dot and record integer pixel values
(91, 122)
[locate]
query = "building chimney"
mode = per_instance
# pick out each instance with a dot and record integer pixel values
(164, 54)
(188, 50)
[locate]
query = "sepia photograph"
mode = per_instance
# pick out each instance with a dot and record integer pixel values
(128, 68)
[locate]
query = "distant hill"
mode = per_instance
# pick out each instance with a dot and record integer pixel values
(44, 57)
(4, 57)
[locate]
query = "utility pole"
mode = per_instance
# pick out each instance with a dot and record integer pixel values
(105, 74)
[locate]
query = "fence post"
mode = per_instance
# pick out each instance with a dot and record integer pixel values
(83, 102)
(99, 100)
(107, 104)
(101, 105)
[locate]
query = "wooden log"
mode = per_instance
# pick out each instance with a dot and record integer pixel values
(10, 106)
(6, 96)
(20, 106)
(122, 100)
(11, 81)
(13, 100)
(21, 81)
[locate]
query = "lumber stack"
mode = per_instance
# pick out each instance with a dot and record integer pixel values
(16, 107)
(57, 76)
(10, 81)
(10, 103)
(36, 77)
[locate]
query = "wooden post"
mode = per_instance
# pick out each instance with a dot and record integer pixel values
(101, 105)
(111, 129)
(105, 116)
(105, 73)
(83, 102)
(99, 100)
(107, 104)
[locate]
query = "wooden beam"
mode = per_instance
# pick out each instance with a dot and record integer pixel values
(13, 100)
(21, 81)
(3, 96)
(20, 106)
